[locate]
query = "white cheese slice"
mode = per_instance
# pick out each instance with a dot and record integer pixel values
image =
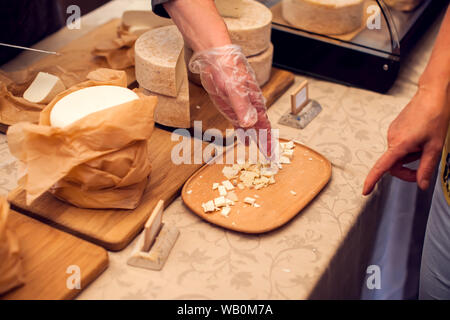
(43, 88)
(86, 101)
(228, 185)
(220, 202)
(222, 190)
(159, 61)
(225, 211)
(249, 200)
(209, 206)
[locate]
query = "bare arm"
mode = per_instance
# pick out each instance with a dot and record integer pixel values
(199, 22)
(420, 129)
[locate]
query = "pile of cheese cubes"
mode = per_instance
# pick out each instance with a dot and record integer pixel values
(246, 175)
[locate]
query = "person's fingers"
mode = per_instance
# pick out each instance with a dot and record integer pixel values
(384, 163)
(430, 156)
(404, 173)
(240, 103)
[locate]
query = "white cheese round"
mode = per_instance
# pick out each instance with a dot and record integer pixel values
(83, 102)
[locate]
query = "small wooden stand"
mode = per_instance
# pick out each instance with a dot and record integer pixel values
(303, 110)
(156, 242)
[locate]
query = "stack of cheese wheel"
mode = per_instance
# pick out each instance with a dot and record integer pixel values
(161, 58)
(249, 25)
(324, 16)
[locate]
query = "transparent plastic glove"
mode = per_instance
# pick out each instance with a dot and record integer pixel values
(231, 84)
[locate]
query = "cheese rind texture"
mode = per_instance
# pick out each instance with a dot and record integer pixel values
(43, 88)
(330, 17)
(251, 31)
(86, 101)
(159, 60)
(229, 8)
(170, 111)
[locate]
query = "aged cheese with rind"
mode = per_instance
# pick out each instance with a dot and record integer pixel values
(170, 111)
(324, 16)
(229, 8)
(251, 31)
(44, 88)
(86, 101)
(159, 60)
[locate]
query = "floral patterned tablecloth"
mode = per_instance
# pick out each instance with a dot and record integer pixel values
(321, 253)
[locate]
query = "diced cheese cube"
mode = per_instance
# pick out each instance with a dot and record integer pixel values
(288, 153)
(230, 172)
(249, 200)
(220, 202)
(215, 186)
(284, 160)
(257, 205)
(287, 145)
(222, 191)
(208, 206)
(225, 211)
(228, 185)
(241, 186)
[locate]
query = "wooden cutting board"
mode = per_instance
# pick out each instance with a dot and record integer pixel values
(114, 229)
(306, 176)
(47, 253)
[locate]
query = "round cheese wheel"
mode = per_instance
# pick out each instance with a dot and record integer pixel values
(324, 16)
(83, 102)
(251, 31)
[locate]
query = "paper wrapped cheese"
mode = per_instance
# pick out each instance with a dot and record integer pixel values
(97, 161)
(324, 16)
(11, 270)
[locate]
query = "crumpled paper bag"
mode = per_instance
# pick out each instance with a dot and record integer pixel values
(119, 52)
(11, 270)
(14, 108)
(100, 161)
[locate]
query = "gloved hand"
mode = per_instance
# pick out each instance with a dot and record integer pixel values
(231, 85)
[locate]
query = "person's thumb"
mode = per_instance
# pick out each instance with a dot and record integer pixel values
(430, 156)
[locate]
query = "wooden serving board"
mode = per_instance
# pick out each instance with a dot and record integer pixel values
(47, 253)
(307, 175)
(279, 83)
(114, 229)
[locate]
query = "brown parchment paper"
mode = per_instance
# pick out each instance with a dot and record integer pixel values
(13, 107)
(119, 52)
(11, 270)
(100, 161)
